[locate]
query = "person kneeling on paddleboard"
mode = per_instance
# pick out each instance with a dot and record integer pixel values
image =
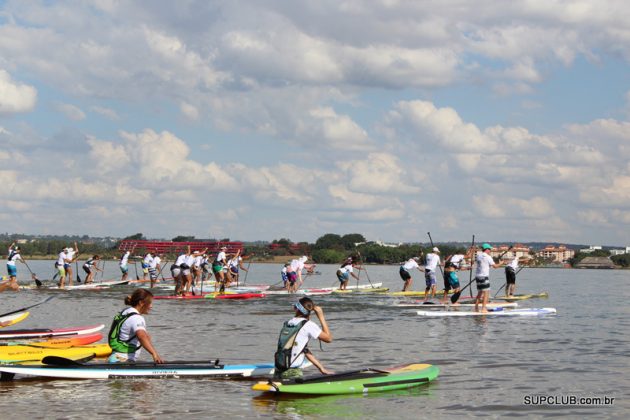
(294, 338)
(128, 333)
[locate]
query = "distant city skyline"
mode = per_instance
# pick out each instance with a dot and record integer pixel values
(269, 119)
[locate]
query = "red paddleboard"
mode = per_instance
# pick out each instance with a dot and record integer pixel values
(238, 296)
(46, 332)
(68, 341)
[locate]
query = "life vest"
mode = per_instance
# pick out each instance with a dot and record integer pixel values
(115, 342)
(286, 342)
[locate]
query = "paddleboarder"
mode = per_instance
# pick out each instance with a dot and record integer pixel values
(451, 281)
(12, 258)
(124, 259)
(510, 277)
(128, 333)
(405, 274)
(217, 268)
(72, 254)
(482, 276)
(90, 266)
(432, 261)
(344, 272)
(294, 338)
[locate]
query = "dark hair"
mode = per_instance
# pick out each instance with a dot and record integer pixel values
(138, 296)
(307, 303)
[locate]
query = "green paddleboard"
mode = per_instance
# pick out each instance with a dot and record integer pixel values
(356, 382)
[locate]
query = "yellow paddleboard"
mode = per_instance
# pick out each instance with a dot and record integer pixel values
(34, 352)
(5, 321)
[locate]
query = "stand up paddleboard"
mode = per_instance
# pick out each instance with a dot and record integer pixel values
(355, 382)
(492, 312)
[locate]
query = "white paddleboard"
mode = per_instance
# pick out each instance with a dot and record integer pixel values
(496, 312)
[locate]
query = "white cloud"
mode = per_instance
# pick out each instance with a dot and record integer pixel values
(70, 111)
(15, 97)
(108, 113)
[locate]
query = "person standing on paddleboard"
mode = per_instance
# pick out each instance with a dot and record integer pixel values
(344, 272)
(482, 276)
(217, 268)
(510, 277)
(128, 333)
(155, 267)
(89, 267)
(60, 265)
(124, 259)
(405, 274)
(294, 337)
(72, 254)
(432, 261)
(451, 281)
(12, 258)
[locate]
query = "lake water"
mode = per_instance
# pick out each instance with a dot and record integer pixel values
(489, 367)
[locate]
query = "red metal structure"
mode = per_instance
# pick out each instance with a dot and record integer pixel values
(169, 247)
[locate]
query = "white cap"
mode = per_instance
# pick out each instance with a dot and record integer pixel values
(435, 249)
(303, 258)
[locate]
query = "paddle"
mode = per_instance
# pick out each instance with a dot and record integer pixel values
(471, 279)
(135, 266)
(456, 295)
(63, 361)
(33, 276)
(28, 307)
(362, 266)
(432, 246)
(249, 263)
(103, 270)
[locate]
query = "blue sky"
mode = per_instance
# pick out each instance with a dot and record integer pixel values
(266, 119)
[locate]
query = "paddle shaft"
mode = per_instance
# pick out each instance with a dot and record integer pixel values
(33, 276)
(456, 295)
(432, 246)
(28, 307)
(362, 264)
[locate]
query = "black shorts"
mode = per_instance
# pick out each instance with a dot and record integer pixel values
(87, 270)
(483, 284)
(510, 275)
(404, 274)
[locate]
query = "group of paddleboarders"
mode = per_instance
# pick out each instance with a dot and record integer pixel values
(291, 273)
(128, 335)
(452, 265)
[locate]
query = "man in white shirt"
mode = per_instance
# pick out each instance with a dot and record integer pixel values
(432, 262)
(405, 274)
(482, 277)
(510, 277)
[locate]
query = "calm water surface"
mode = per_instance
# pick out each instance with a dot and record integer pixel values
(489, 366)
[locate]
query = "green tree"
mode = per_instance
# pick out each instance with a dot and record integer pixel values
(329, 241)
(181, 238)
(136, 237)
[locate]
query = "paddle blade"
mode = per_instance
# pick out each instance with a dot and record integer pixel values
(456, 296)
(62, 361)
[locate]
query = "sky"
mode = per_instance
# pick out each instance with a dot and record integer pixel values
(269, 119)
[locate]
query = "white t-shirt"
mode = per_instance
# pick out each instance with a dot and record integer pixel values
(123, 260)
(16, 256)
(308, 331)
(513, 264)
(484, 262)
(432, 261)
(130, 328)
(61, 259)
(410, 264)
(220, 257)
(180, 260)
(297, 265)
(147, 260)
(70, 253)
(154, 262)
(457, 259)
(346, 268)
(190, 260)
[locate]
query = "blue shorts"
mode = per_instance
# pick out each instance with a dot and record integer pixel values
(124, 269)
(342, 277)
(404, 274)
(292, 276)
(12, 270)
(429, 278)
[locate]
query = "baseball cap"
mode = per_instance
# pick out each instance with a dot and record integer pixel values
(435, 249)
(486, 246)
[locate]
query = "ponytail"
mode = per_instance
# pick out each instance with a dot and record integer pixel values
(138, 296)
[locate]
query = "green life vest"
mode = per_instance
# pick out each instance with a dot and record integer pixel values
(115, 342)
(286, 342)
